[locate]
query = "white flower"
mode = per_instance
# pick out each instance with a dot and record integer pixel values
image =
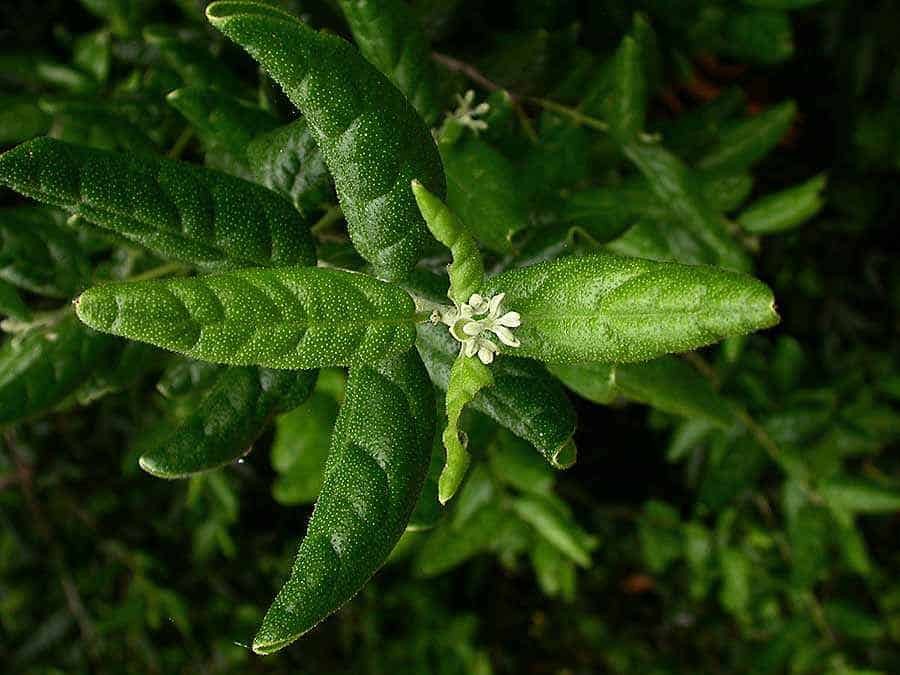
(466, 114)
(472, 322)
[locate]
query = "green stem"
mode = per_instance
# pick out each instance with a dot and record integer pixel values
(161, 271)
(331, 216)
(575, 115)
(181, 143)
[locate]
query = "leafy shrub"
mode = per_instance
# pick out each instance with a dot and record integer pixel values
(483, 284)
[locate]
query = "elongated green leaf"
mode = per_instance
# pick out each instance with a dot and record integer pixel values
(297, 317)
(482, 188)
(41, 368)
(675, 185)
(731, 471)
(617, 310)
(467, 269)
(451, 544)
(231, 416)
(302, 439)
(40, 256)
(220, 119)
(857, 496)
(288, 161)
(174, 209)
(11, 303)
(372, 139)
(554, 571)
(513, 462)
(192, 60)
(784, 210)
(389, 36)
(21, 119)
(626, 107)
(667, 384)
(549, 517)
(468, 376)
(757, 35)
(378, 459)
(749, 141)
(523, 399)
(97, 125)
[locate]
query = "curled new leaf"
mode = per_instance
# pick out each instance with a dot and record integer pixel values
(468, 376)
(617, 310)
(298, 317)
(371, 137)
(467, 269)
(41, 368)
(379, 455)
(176, 210)
(231, 416)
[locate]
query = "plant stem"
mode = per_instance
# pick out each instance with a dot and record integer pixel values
(181, 143)
(331, 216)
(575, 115)
(161, 271)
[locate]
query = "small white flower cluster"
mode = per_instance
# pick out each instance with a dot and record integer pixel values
(471, 322)
(467, 115)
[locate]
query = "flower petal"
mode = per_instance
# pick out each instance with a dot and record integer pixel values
(506, 336)
(486, 356)
(494, 305)
(472, 328)
(510, 320)
(470, 347)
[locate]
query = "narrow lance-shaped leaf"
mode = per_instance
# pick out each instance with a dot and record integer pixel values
(231, 416)
(41, 368)
(193, 62)
(297, 317)
(11, 303)
(39, 255)
(467, 269)
(288, 161)
(626, 107)
(524, 398)
(379, 455)
(749, 141)
(548, 517)
(668, 384)
(389, 36)
(617, 310)
(371, 137)
(468, 376)
(176, 210)
(784, 210)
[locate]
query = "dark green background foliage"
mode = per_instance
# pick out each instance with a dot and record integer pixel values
(732, 510)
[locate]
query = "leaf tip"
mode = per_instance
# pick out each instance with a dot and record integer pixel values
(96, 309)
(565, 455)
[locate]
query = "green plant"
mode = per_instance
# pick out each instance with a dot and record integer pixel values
(562, 235)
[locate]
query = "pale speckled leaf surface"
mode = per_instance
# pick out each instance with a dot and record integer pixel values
(298, 317)
(178, 211)
(373, 140)
(613, 309)
(233, 413)
(380, 452)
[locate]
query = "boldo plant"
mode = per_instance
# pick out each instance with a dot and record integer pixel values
(464, 296)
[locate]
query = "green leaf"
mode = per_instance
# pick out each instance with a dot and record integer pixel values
(429, 509)
(40, 256)
(484, 190)
(758, 36)
(555, 573)
(11, 303)
(378, 459)
(731, 472)
(98, 125)
(221, 120)
(617, 310)
(625, 109)
(300, 447)
(452, 543)
(176, 210)
(735, 592)
(298, 317)
(288, 161)
(749, 141)
(468, 376)
(675, 184)
(234, 412)
(524, 398)
(668, 384)
(42, 367)
(467, 269)
(785, 210)
(659, 531)
(548, 516)
(859, 496)
(372, 139)
(193, 61)
(21, 119)
(513, 462)
(390, 37)
(92, 53)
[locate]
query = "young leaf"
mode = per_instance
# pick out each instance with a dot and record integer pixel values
(288, 161)
(40, 256)
(515, 464)
(674, 184)
(451, 544)
(21, 119)
(485, 191)
(297, 317)
(626, 107)
(41, 368)
(749, 141)
(858, 496)
(548, 516)
(467, 269)
(523, 399)
(176, 210)
(231, 416)
(667, 383)
(468, 376)
(389, 36)
(372, 139)
(191, 60)
(617, 310)
(11, 303)
(378, 459)
(784, 210)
